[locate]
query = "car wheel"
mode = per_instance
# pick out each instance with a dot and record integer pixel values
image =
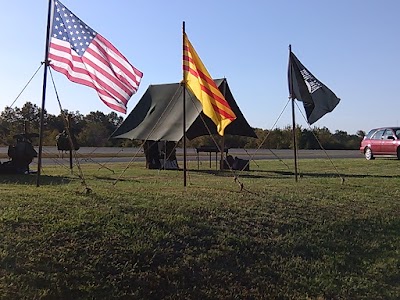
(368, 154)
(398, 153)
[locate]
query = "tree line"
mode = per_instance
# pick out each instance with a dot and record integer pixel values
(95, 128)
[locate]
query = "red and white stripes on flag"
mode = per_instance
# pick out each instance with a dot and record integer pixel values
(87, 58)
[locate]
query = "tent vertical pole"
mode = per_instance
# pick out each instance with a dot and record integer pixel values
(69, 120)
(293, 117)
(223, 137)
(165, 153)
(46, 64)
(222, 153)
(184, 108)
(26, 125)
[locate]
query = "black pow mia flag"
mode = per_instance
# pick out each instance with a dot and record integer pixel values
(303, 86)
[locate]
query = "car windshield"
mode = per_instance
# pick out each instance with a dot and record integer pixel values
(368, 136)
(378, 134)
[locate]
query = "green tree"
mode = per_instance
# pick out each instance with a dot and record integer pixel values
(95, 128)
(253, 143)
(307, 140)
(93, 135)
(361, 133)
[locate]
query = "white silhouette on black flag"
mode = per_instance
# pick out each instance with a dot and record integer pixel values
(303, 86)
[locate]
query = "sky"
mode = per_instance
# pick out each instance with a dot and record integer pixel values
(351, 46)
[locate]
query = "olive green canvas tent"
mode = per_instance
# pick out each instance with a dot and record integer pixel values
(158, 116)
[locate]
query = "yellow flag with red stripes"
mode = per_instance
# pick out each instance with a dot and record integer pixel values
(201, 84)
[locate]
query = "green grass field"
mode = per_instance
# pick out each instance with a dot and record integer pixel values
(148, 237)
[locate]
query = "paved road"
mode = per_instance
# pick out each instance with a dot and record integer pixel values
(113, 154)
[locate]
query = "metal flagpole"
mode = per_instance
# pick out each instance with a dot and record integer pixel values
(46, 64)
(184, 107)
(293, 116)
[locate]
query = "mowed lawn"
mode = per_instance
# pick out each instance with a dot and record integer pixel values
(334, 234)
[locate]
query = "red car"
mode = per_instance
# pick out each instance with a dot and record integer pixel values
(381, 141)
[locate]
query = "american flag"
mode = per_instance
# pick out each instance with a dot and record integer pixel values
(87, 58)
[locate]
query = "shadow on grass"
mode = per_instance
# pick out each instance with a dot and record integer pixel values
(115, 179)
(279, 174)
(324, 175)
(241, 174)
(32, 178)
